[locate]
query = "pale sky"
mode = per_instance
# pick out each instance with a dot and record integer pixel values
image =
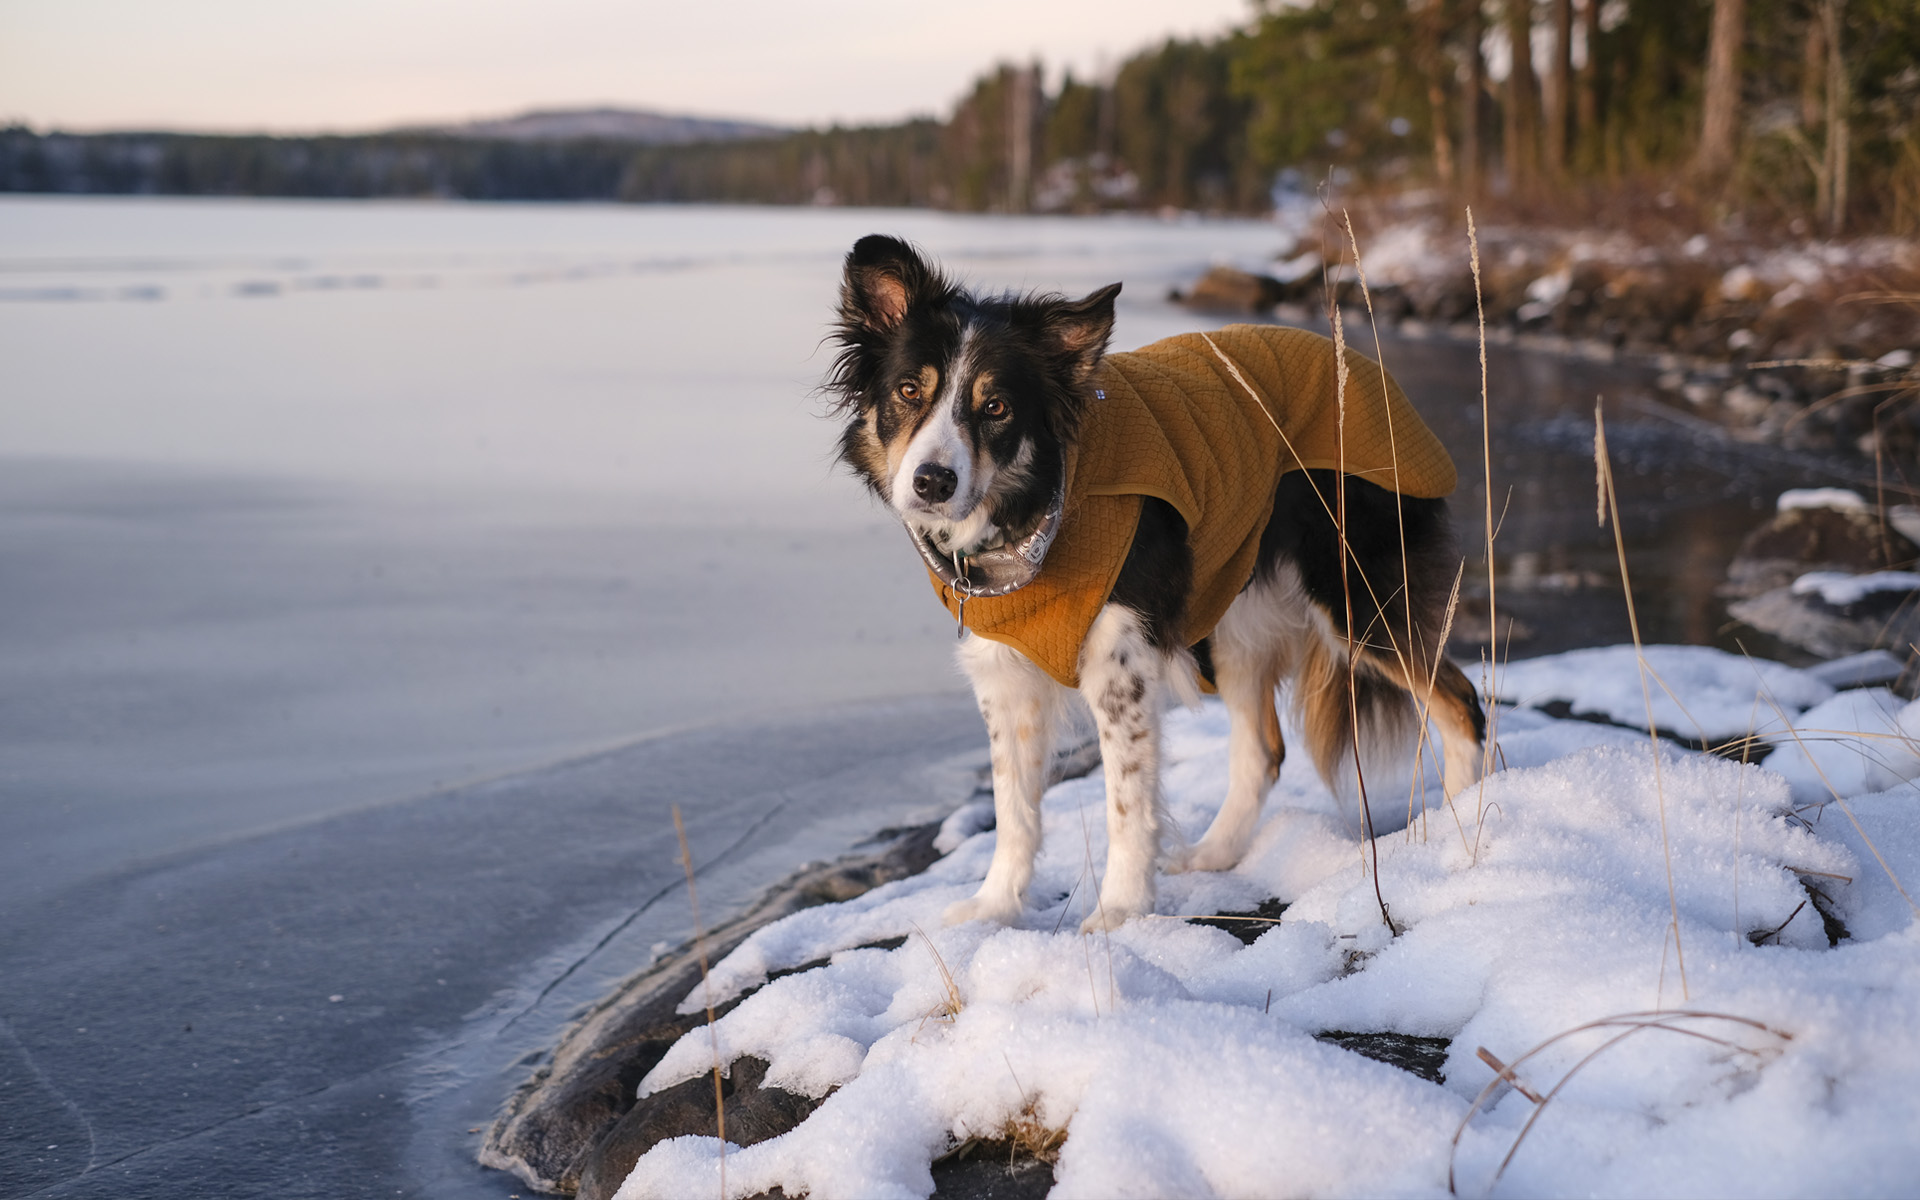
(307, 65)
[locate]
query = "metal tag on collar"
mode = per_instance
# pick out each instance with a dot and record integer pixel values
(962, 588)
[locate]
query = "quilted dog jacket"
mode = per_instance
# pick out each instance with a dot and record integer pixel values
(1171, 420)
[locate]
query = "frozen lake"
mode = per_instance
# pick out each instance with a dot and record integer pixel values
(306, 506)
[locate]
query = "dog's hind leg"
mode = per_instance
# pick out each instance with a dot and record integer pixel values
(1019, 703)
(1453, 704)
(1247, 669)
(1121, 674)
(1463, 726)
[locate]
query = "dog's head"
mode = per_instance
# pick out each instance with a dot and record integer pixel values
(959, 408)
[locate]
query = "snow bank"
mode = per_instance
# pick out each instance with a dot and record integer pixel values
(1857, 742)
(1698, 692)
(1181, 1062)
(1840, 589)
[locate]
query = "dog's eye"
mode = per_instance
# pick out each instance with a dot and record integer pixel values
(994, 407)
(910, 391)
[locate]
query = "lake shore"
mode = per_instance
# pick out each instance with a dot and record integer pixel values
(1803, 343)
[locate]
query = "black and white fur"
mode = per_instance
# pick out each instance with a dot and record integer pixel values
(959, 412)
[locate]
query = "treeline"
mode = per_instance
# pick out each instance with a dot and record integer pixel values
(1801, 110)
(174, 164)
(1804, 109)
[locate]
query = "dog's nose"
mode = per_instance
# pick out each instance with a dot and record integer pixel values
(934, 483)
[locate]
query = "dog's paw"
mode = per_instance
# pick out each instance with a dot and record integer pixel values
(1109, 917)
(995, 910)
(1209, 854)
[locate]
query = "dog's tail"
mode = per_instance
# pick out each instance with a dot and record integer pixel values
(1325, 702)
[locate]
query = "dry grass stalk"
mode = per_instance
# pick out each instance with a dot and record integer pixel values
(706, 993)
(1336, 512)
(1211, 917)
(1106, 939)
(1604, 466)
(1486, 463)
(1507, 1073)
(1423, 704)
(952, 1006)
(1673, 1021)
(1340, 375)
(1446, 631)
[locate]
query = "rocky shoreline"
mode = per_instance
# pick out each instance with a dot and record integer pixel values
(576, 1127)
(1810, 346)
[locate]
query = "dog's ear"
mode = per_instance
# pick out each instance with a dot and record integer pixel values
(885, 276)
(1079, 329)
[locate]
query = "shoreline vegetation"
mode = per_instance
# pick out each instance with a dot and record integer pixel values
(1720, 184)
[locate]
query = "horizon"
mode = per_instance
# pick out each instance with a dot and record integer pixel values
(429, 124)
(222, 67)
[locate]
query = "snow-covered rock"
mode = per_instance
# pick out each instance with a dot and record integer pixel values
(1595, 876)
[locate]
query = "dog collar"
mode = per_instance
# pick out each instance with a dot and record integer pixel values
(995, 572)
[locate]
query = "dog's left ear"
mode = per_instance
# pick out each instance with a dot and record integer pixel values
(1079, 329)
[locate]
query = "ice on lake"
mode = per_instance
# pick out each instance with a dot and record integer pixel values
(310, 505)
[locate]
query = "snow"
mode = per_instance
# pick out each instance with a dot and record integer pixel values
(1857, 742)
(1180, 1062)
(1844, 499)
(1698, 692)
(1859, 670)
(1840, 589)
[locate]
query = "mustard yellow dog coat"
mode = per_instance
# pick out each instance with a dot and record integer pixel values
(1175, 420)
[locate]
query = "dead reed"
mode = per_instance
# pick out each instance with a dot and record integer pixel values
(1603, 470)
(1674, 1021)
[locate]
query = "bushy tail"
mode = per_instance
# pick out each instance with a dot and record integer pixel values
(1388, 723)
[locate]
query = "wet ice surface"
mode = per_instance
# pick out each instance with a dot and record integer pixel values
(310, 506)
(310, 513)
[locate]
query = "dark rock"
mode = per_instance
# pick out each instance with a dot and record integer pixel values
(1816, 539)
(1227, 289)
(753, 1114)
(1888, 619)
(1850, 540)
(1743, 749)
(553, 1125)
(991, 1171)
(1422, 1056)
(1247, 926)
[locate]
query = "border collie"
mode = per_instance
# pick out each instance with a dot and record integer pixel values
(969, 416)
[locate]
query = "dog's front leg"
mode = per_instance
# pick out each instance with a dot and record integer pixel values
(1120, 676)
(1018, 702)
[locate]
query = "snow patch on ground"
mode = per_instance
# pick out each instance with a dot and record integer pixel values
(1843, 499)
(1181, 1062)
(1698, 692)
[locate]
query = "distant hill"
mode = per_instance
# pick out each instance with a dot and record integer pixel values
(607, 124)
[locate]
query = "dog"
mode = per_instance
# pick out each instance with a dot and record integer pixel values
(1215, 511)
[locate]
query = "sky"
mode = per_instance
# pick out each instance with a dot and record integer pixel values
(348, 65)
